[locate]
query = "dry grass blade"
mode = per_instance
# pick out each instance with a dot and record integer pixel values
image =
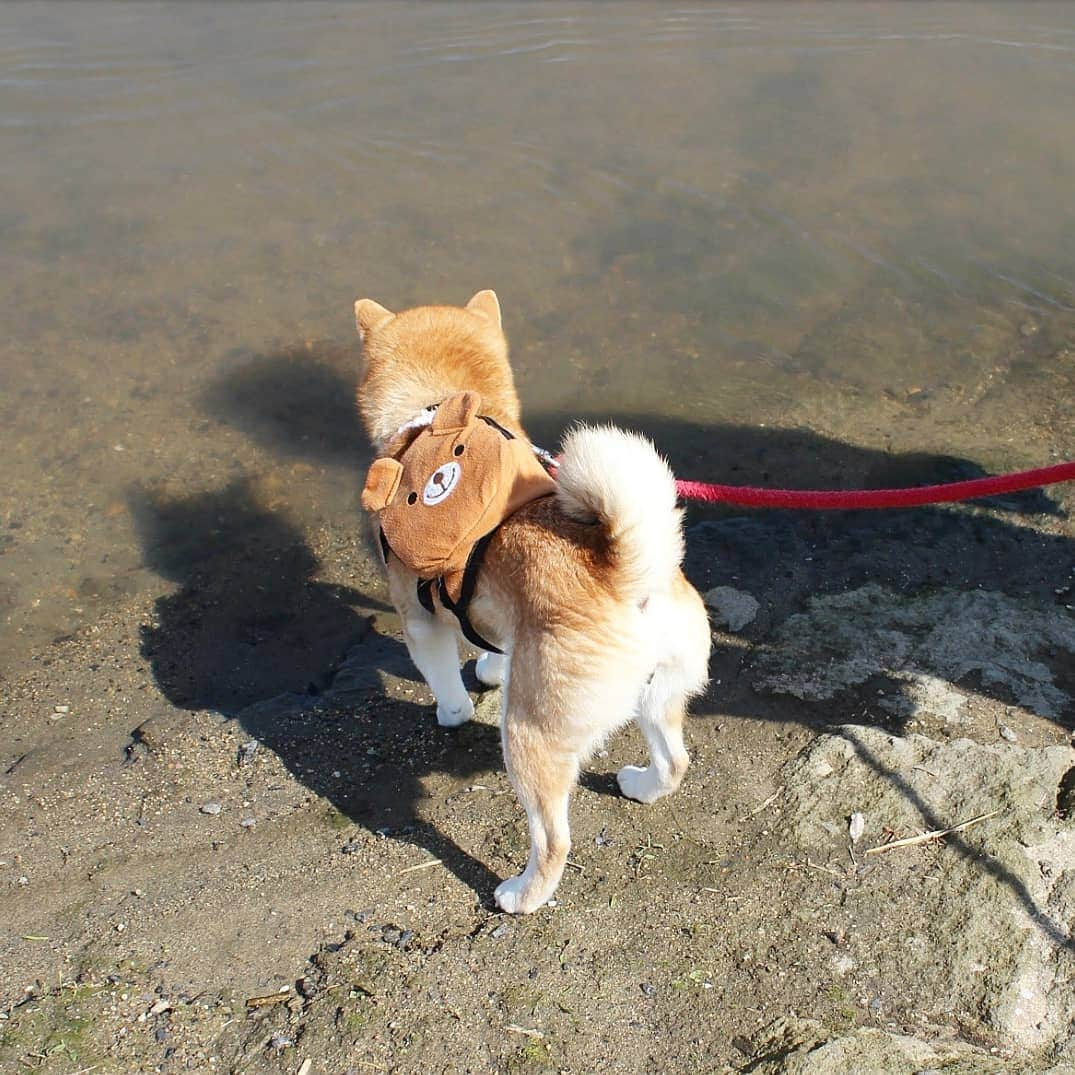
(936, 834)
(524, 1030)
(271, 998)
(761, 806)
(420, 866)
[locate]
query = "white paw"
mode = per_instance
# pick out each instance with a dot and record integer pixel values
(642, 785)
(516, 896)
(490, 669)
(452, 718)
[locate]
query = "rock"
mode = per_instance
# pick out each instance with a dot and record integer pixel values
(249, 822)
(488, 706)
(734, 608)
(928, 642)
(790, 1046)
(211, 808)
(246, 753)
(984, 919)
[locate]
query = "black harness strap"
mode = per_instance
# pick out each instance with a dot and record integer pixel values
(466, 592)
(508, 435)
(470, 572)
(425, 594)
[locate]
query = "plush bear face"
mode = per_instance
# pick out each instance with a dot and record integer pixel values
(456, 481)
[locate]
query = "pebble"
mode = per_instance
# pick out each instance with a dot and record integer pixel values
(352, 847)
(649, 990)
(280, 1041)
(61, 709)
(248, 822)
(499, 932)
(247, 752)
(1007, 733)
(160, 1006)
(856, 826)
(734, 608)
(211, 808)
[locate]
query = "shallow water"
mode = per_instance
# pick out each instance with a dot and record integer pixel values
(852, 219)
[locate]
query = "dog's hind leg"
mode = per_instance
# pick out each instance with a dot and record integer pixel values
(543, 775)
(660, 716)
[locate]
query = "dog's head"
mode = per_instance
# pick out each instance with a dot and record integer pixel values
(429, 353)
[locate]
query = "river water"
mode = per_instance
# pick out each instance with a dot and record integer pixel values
(852, 220)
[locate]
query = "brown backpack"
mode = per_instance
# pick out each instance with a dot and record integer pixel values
(455, 483)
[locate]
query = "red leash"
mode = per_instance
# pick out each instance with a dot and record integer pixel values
(831, 499)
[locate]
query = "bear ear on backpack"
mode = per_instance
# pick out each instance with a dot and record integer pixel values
(456, 413)
(382, 481)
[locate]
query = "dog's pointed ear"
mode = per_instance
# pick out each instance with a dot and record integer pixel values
(486, 304)
(456, 412)
(382, 481)
(370, 314)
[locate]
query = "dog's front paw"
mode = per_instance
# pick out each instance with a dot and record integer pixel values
(490, 668)
(452, 718)
(642, 785)
(518, 896)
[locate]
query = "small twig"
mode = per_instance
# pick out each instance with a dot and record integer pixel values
(810, 865)
(524, 1030)
(267, 1000)
(420, 866)
(823, 869)
(936, 834)
(758, 809)
(575, 866)
(923, 769)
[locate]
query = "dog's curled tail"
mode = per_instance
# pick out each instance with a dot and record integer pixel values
(619, 478)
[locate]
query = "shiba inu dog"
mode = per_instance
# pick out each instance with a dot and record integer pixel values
(577, 597)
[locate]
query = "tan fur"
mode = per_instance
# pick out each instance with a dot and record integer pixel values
(587, 649)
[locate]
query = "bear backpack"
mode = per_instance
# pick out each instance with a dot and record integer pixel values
(454, 484)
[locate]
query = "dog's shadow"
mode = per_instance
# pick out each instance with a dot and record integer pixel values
(783, 559)
(252, 633)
